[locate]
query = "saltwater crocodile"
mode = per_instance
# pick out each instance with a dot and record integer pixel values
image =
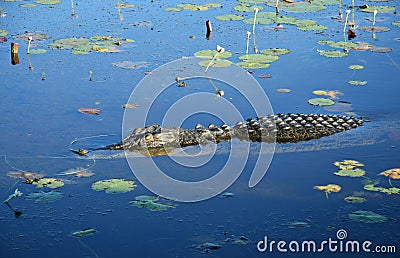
(280, 128)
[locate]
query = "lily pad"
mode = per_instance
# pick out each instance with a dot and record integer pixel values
(348, 164)
(27, 5)
(358, 172)
(275, 51)
(374, 188)
(84, 232)
(238, 240)
(380, 9)
(48, 1)
(44, 196)
(332, 94)
(332, 53)
(131, 65)
(339, 107)
(114, 185)
(151, 203)
(367, 217)
(262, 21)
(38, 51)
(380, 49)
(304, 8)
(3, 33)
(219, 63)
(357, 83)
(172, 9)
(34, 35)
(354, 199)
(78, 172)
(209, 54)
(321, 102)
(258, 58)
(393, 173)
(248, 65)
(356, 67)
(89, 111)
(374, 28)
(229, 17)
(312, 27)
(330, 188)
(338, 44)
(284, 90)
(396, 23)
(247, 8)
(48, 182)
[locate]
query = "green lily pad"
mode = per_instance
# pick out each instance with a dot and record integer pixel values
(172, 9)
(248, 65)
(38, 51)
(396, 23)
(374, 188)
(321, 102)
(208, 54)
(44, 196)
(219, 63)
(34, 35)
(262, 21)
(248, 8)
(287, 20)
(339, 44)
(367, 217)
(48, 1)
(215, 5)
(258, 58)
(229, 17)
(380, 9)
(312, 27)
(354, 199)
(356, 67)
(27, 5)
(3, 33)
(357, 83)
(114, 185)
(193, 7)
(332, 53)
(275, 51)
(358, 172)
(151, 203)
(84, 232)
(284, 90)
(48, 182)
(348, 164)
(304, 8)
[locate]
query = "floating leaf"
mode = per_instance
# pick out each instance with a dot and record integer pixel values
(332, 53)
(48, 182)
(44, 196)
(275, 51)
(312, 27)
(330, 188)
(380, 49)
(78, 172)
(358, 172)
(84, 232)
(229, 17)
(209, 54)
(238, 240)
(321, 102)
(262, 21)
(114, 185)
(38, 51)
(396, 23)
(248, 65)
(4, 33)
(27, 5)
(332, 94)
(265, 75)
(374, 28)
(34, 35)
(354, 199)
(90, 111)
(356, 67)
(304, 7)
(348, 164)
(258, 58)
(24, 175)
(131, 65)
(105, 49)
(339, 107)
(172, 9)
(247, 8)
(219, 63)
(357, 83)
(362, 46)
(393, 173)
(367, 217)
(372, 187)
(227, 194)
(48, 1)
(284, 90)
(380, 9)
(130, 105)
(151, 203)
(125, 6)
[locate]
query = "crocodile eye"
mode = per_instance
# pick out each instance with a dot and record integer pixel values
(148, 138)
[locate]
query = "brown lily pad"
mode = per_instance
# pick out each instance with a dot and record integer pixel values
(89, 111)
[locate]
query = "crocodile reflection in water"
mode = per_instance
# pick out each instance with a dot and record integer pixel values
(155, 140)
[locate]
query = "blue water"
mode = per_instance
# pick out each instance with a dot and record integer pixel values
(40, 120)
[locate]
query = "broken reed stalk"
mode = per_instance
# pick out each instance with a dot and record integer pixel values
(209, 29)
(375, 12)
(29, 44)
(352, 15)
(247, 41)
(277, 7)
(14, 53)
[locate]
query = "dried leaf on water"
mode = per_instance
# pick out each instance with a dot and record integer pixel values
(357, 82)
(330, 188)
(129, 105)
(393, 173)
(89, 111)
(367, 217)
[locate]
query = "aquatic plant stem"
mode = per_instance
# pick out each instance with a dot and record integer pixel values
(352, 14)
(346, 20)
(247, 42)
(375, 12)
(255, 18)
(210, 63)
(29, 44)
(277, 7)
(73, 9)
(88, 248)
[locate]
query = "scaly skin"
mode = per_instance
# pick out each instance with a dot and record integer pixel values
(281, 128)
